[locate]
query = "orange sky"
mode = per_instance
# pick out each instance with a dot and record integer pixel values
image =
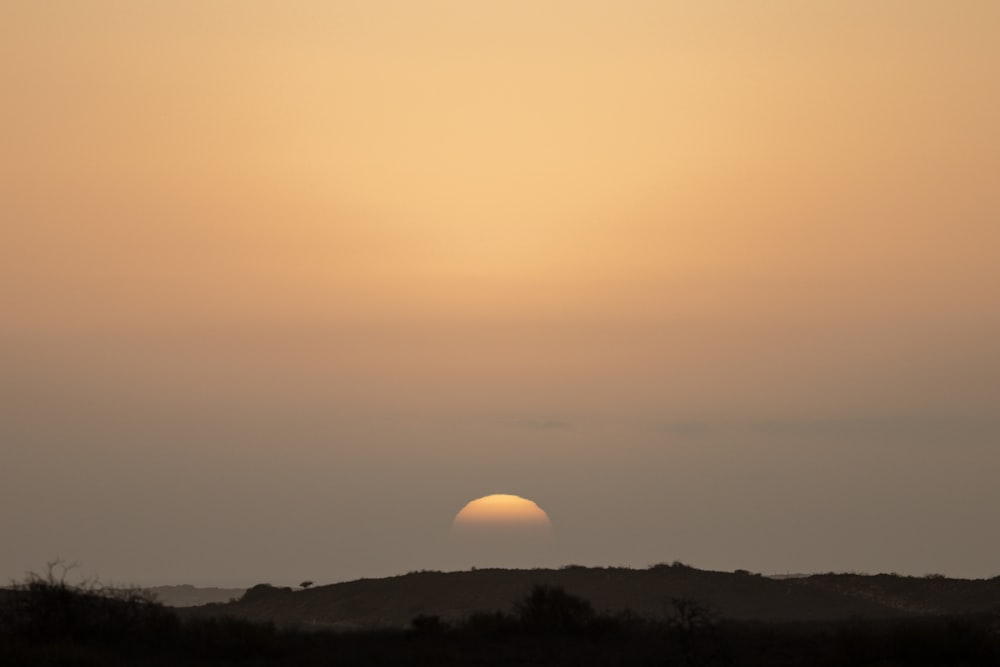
(619, 216)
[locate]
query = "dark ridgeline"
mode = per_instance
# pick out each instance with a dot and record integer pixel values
(392, 602)
(191, 596)
(665, 615)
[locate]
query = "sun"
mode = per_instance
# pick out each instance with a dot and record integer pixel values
(501, 516)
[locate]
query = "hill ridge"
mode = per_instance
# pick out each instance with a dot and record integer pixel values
(394, 601)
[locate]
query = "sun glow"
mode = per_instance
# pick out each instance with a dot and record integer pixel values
(502, 512)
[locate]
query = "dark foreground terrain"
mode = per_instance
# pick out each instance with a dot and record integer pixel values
(392, 602)
(45, 621)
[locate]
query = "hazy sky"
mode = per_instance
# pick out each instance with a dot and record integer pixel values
(283, 285)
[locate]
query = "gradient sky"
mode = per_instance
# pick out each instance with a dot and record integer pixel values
(283, 285)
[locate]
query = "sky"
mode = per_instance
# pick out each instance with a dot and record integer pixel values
(284, 285)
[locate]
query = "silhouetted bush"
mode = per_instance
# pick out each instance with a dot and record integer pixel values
(490, 624)
(692, 627)
(689, 617)
(48, 609)
(676, 565)
(428, 625)
(550, 609)
(264, 591)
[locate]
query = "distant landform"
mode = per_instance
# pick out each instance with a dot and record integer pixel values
(192, 596)
(394, 602)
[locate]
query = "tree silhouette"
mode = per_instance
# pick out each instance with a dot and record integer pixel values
(552, 609)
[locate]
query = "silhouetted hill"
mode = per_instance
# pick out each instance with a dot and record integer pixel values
(932, 595)
(192, 596)
(46, 622)
(395, 601)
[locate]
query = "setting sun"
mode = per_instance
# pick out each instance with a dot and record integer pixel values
(503, 517)
(502, 510)
(502, 530)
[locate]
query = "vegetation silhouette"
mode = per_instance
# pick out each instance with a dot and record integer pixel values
(393, 602)
(550, 609)
(45, 620)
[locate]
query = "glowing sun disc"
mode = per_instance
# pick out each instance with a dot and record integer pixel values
(499, 514)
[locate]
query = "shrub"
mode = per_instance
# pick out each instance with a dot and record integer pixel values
(48, 609)
(264, 591)
(428, 625)
(550, 609)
